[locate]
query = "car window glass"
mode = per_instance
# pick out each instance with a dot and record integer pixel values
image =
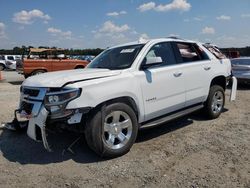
(1, 57)
(215, 51)
(117, 58)
(190, 52)
(163, 50)
(10, 57)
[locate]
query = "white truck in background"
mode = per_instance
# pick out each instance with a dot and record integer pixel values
(8, 61)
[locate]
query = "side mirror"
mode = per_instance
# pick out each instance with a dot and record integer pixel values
(153, 60)
(150, 61)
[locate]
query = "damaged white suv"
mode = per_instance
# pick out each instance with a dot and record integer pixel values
(127, 87)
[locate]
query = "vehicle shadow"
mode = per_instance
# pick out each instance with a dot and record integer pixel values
(16, 82)
(18, 147)
(242, 86)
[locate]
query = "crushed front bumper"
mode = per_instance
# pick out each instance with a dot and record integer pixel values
(31, 109)
(36, 126)
(38, 122)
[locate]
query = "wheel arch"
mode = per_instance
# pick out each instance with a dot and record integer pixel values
(219, 80)
(42, 69)
(79, 66)
(125, 99)
(4, 66)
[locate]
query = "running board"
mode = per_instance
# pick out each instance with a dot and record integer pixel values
(171, 117)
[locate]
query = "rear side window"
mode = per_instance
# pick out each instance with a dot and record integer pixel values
(191, 52)
(2, 57)
(215, 51)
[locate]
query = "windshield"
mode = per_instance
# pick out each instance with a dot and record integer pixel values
(117, 58)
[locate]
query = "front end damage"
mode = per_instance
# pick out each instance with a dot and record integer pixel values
(43, 108)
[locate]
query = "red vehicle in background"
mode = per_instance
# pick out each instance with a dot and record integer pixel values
(41, 60)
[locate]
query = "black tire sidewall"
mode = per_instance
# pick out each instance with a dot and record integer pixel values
(38, 72)
(96, 129)
(2, 67)
(208, 105)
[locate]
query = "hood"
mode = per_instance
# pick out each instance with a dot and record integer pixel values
(60, 78)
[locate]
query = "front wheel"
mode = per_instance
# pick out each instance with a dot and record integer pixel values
(2, 67)
(215, 102)
(112, 130)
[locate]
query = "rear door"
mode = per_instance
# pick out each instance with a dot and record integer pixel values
(197, 71)
(162, 85)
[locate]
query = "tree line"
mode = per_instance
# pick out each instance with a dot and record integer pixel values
(25, 50)
(243, 51)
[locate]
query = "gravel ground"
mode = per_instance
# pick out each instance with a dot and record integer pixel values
(189, 152)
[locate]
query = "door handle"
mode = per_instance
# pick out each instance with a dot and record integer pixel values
(177, 74)
(207, 68)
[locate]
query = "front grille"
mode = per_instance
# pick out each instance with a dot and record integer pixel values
(27, 107)
(32, 99)
(31, 92)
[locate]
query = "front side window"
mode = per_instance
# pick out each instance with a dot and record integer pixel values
(117, 58)
(164, 51)
(190, 52)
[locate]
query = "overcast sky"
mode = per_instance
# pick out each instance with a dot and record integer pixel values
(103, 23)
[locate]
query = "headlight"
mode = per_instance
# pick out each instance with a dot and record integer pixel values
(57, 98)
(56, 102)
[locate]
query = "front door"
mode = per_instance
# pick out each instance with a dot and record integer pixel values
(162, 85)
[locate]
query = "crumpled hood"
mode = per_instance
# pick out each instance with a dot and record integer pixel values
(59, 78)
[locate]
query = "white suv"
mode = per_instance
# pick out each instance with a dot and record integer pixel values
(126, 88)
(8, 61)
(2, 62)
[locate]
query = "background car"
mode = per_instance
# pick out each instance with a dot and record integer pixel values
(10, 61)
(2, 63)
(241, 69)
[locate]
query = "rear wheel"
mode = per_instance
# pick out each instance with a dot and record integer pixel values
(38, 72)
(111, 131)
(215, 102)
(79, 67)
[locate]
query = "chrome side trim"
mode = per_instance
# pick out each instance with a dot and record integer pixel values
(171, 117)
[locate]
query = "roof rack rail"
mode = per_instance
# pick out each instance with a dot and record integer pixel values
(174, 37)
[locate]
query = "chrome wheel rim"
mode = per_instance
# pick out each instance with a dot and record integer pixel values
(117, 129)
(218, 101)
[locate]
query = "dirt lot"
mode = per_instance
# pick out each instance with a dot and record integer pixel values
(189, 152)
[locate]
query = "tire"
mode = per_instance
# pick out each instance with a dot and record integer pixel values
(38, 72)
(104, 133)
(215, 102)
(2, 67)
